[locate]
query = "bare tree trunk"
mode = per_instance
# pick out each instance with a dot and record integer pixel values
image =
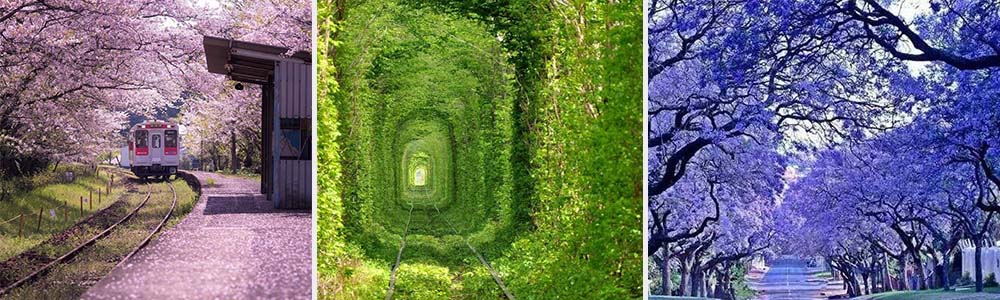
(4, 191)
(921, 274)
(945, 269)
(685, 283)
(852, 284)
(979, 264)
(903, 276)
(864, 280)
(234, 160)
(665, 283)
(887, 276)
(696, 279)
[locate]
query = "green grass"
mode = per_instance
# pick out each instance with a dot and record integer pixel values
(241, 173)
(988, 293)
(72, 279)
(49, 195)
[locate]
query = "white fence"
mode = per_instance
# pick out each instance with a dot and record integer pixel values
(990, 257)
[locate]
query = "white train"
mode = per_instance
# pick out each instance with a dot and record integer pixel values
(154, 149)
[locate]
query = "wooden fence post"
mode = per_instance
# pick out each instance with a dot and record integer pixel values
(39, 227)
(90, 200)
(111, 183)
(81, 206)
(98, 196)
(65, 212)
(20, 224)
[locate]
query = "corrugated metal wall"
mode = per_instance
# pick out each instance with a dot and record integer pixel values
(293, 108)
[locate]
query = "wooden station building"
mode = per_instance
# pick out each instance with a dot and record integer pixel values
(286, 122)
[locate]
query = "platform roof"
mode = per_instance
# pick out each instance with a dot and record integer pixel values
(246, 61)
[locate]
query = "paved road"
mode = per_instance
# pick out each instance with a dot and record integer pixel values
(233, 245)
(790, 278)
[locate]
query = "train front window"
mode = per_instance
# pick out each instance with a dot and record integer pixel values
(141, 140)
(170, 139)
(155, 141)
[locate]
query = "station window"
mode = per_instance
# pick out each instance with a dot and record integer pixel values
(141, 139)
(170, 139)
(294, 143)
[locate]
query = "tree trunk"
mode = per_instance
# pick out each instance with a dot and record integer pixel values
(903, 276)
(945, 269)
(852, 284)
(234, 161)
(879, 279)
(864, 279)
(685, 277)
(979, 265)
(665, 271)
(696, 279)
(704, 285)
(921, 275)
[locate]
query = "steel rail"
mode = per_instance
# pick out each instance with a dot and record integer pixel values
(79, 248)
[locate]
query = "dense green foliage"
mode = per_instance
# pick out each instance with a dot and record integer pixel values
(525, 117)
(328, 206)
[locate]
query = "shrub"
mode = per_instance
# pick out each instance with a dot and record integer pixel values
(964, 280)
(990, 281)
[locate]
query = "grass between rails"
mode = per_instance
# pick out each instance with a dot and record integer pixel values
(73, 278)
(50, 193)
(368, 279)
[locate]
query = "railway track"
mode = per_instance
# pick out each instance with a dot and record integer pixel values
(496, 276)
(72, 253)
(399, 255)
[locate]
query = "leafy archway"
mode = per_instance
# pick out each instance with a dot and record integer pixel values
(535, 106)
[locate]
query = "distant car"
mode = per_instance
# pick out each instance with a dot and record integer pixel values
(154, 149)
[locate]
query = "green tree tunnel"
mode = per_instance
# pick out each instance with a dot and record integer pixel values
(509, 127)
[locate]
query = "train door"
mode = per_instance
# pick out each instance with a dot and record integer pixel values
(156, 147)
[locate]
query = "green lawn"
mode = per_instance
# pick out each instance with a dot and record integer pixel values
(988, 293)
(59, 204)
